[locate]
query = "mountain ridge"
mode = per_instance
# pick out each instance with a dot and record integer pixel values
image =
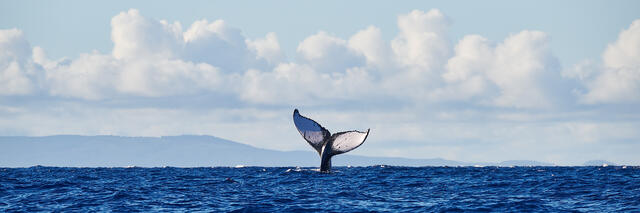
(182, 151)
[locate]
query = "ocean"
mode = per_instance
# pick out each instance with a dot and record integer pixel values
(345, 189)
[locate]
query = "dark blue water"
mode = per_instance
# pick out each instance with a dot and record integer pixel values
(378, 188)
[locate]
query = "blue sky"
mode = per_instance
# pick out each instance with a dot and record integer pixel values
(595, 22)
(471, 81)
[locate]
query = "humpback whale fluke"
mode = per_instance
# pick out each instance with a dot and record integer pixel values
(326, 144)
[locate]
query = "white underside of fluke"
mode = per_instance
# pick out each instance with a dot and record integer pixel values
(326, 144)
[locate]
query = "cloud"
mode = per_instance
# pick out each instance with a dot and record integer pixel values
(150, 58)
(266, 48)
(617, 80)
(96, 76)
(215, 43)
(218, 44)
(624, 53)
(422, 94)
(287, 83)
(523, 70)
(91, 76)
(19, 75)
(422, 42)
(329, 69)
(153, 58)
(466, 71)
(135, 36)
(300, 84)
(520, 72)
(369, 43)
(328, 54)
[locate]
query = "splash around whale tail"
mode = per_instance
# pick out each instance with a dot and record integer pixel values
(326, 144)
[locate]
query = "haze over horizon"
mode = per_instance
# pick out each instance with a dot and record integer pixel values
(198, 151)
(486, 82)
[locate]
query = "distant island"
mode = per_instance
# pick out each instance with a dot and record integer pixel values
(599, 163)
(184, 151)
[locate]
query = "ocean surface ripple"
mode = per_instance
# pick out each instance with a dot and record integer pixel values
(346, 189)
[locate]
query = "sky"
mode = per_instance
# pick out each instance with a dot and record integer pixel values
(476, 81)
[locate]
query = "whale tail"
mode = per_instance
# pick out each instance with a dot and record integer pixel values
(326, 144)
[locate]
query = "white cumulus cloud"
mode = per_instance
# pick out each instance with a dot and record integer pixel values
(19, 75)
(525, 71)
(266, 48)
(329, 54)
(298, 84)
(150, 58)
(135, 36)
(519, 72)
(618, 79)
(369, 43)
(155, 58)
(422, 42)
(419, 88)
